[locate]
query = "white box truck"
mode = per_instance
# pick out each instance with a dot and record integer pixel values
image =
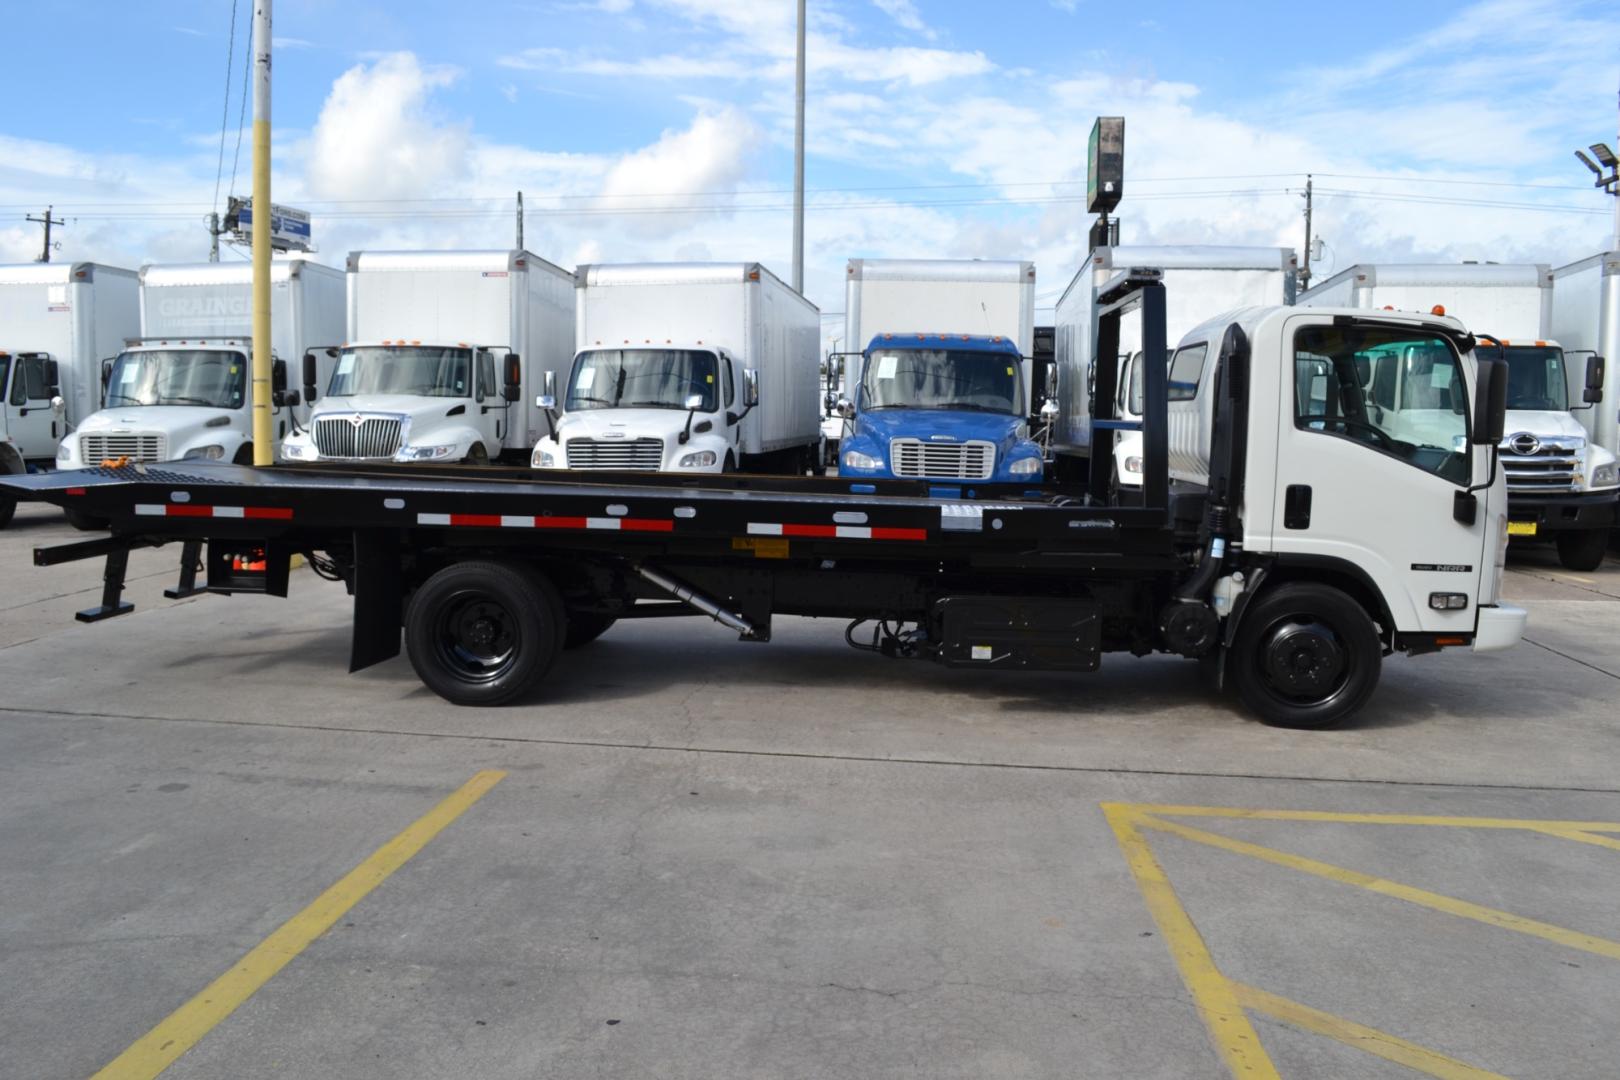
(937, 380)
(688, 367)
(440, 347)
(1201, 281)
(1586, 320)
(182, 389)
(1561, 480)
(58, 322)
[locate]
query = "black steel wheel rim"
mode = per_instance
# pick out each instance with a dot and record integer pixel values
(1303, 661)
(476, 636)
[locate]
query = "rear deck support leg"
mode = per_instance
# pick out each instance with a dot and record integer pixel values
(190, 562)
(112, 589)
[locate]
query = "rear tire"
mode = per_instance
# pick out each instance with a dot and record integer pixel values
(484, 633)
(85, 522)
(586, 627)
(1306, 656)
(1582, 549)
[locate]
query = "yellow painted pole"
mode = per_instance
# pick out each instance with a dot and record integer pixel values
(263, 444)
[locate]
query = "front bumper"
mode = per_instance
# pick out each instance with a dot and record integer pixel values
(1500, 627)
(1554, 513)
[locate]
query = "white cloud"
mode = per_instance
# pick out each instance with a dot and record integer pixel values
(510, 93)
(906, 15)
(707, 159)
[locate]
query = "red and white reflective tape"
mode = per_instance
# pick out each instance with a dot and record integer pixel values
(509, 521)
(836, 532)
(251, 513)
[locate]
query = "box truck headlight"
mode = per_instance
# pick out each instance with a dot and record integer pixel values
(63, 452)
(296, 452)
(1605, 475)
(212, 453)
(854, 459)
(542, 459)
(1133, 465)
(703, 459)
(1029, 466)
(424, 453)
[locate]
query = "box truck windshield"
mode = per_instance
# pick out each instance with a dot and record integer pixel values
(1536, 378)
(643, 379)
(178, 377)
(942, 379)
(416, 371)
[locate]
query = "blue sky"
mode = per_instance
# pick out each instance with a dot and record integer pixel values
(663, 127)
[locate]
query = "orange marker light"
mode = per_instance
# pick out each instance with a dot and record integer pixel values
(1438, 309)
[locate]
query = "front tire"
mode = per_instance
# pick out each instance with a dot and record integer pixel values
(477, 455)
(8, 509)
(484, 633)
(1582, 549)
(244, 455)
(1306, 656)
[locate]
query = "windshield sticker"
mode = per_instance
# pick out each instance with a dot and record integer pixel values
(346, 364)
(587, 378)
(234, 369)
(708, 378)
(128, 373)
(1009, 371)
(887, 364)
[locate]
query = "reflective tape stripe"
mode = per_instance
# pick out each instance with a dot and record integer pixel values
(252, 513)
(835, 532)
(518, 521)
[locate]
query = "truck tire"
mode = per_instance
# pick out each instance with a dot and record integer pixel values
(1306, 656)
(586, 627)
(484, 633)
(244, 455)
(8, 508)
(85, 522)
(477, 455)
(1582, 549)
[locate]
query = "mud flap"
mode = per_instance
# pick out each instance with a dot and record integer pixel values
(379, 584)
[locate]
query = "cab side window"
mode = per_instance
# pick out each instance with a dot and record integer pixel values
(1396, 390)
(1185, 368)
(486, 374)
(30, 384)
(725, 381)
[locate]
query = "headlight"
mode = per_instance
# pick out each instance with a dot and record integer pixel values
(854, 459)
(64, 452)
(702, 459)
(424, 453)
(541, 459)
(296, 452)
(213, 453)
(1605, 475)
(1029, 466)
(1133, 465)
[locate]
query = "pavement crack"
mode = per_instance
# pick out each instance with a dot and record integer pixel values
(1572, 659)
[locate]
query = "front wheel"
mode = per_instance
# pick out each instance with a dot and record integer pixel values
(484, 633)
(1582, 549)
(1306, 656)
(8, 509)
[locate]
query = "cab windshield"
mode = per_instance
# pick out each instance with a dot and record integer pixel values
(208, 377)
(642, 379)
(1536, 378)
(414, 371)
(942, 379)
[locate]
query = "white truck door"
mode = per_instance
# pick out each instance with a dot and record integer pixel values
(491, 403)
(34, 427)
(1372, 453)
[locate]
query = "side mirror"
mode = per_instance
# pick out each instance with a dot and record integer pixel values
(1594, 380)
(1049, 412)
(106, 371)
(830, 402)
(513, 388)
(278, 376)
(311, 377)
(290, 398)
(53, 382)
(750, 387)
(546, 402)
(58, 404)
(846, 408)
(1490, 402)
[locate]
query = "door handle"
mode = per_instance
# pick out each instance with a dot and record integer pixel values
(1297, 507)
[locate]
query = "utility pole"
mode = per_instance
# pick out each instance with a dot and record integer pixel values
(798, 162)
(47, 221)
(1305, 274)
(213, 237)
(520, 221)
(263, 447)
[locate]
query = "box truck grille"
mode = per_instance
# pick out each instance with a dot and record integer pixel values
(145, 446)
(647, 454)
(1546, 471)
(373, 437)
(942, 461)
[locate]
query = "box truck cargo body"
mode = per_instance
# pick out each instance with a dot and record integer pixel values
(1201, 281)
(939, 383)
(688, 367)
(183, 388)
(75, 315)
(423, 374)
(1586, 321)
(1561, 478)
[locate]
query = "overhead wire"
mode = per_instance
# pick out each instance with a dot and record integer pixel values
(225, 109)
(241, 115)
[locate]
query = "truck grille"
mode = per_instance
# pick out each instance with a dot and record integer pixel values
(373, 437)
(143, 446)
(942, 461)
(1550, 469)
(644, 454)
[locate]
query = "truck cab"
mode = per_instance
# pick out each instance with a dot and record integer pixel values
(30, 420)
(940, 407)
(173, 401)
(407, 401)
(673, 408)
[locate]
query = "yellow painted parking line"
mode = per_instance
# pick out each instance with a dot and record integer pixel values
(1167, 810)
(181, 1029)
(1583, 836)
(1380, 1043)
(1422, 897)
(1229, 1027)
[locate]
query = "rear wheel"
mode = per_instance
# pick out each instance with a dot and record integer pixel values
(1306, 656)
(85, 522)
(1582, 549)
(484, 633)
(586, 627)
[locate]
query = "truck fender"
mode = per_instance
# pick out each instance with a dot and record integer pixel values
(1341, 574)
(11, 461)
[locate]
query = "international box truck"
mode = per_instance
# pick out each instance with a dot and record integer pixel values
(688, 367)
(1560, 475)
(938, 382)
(1262, 560)
(58, 322)
(440, 347)
(181, 390)
(1586, 319)
(1201, 280)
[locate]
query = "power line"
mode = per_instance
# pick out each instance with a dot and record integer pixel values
(241, 113)
(225, 109)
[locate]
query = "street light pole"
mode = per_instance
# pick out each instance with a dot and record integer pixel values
(263, 447)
